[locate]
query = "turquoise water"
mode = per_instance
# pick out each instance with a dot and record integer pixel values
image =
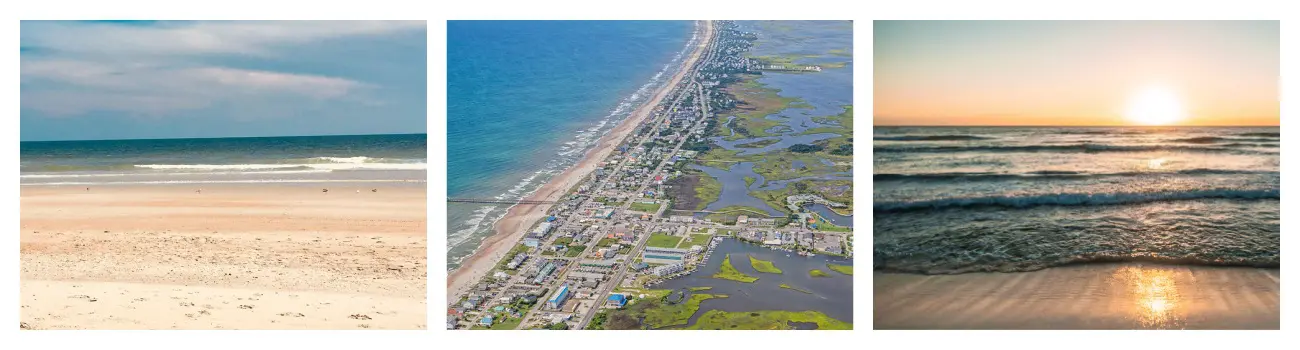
(527, 99)
(299, 159)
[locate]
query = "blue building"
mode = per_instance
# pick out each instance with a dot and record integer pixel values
(558, 298)
(486, 321)
(617, 300)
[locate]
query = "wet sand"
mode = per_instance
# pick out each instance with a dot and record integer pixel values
(512, 227)
(1104, 296)
(231, 257)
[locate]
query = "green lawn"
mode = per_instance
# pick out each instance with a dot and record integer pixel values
(645, 207)
(574, 251)
(696, 239)
(729, 272)
(699, 289)
(763, 266)
(507, 323)
(605, 242)
(818, 273)
(766, 320)
(844, 269)
(663, 240)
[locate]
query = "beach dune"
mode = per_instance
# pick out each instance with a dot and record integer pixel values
(1103, 296)
(230, 257)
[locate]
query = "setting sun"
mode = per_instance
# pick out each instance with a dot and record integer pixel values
(1155, 106)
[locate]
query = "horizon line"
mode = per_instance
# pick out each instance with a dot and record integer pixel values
(221, 137)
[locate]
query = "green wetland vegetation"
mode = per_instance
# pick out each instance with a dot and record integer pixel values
(763, 266)
(729, 272)
(767, 320)
(844, 269)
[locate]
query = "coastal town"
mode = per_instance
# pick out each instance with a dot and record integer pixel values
(607, 241)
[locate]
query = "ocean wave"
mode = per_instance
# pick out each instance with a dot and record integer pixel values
(884, 263)
(1080, 147)
(1074, 199)
(1219, 232)
(55, 176)
(318, 166)
(1262, 134)
(932, 138)
(1216, 139)
(1052, 174)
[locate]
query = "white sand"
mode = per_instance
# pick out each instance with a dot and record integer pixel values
(166, 257)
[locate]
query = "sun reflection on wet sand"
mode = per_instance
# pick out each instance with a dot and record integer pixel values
(1155, 163)
(1157, 302)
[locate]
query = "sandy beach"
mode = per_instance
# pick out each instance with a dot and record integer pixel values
(1105, 296)
(511, 228)
(230, 257)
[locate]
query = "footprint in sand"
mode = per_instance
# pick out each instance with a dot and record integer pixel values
(359, 317)
(246, 307)
(292, 314)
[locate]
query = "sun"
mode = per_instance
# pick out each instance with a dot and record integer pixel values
(1155, 106)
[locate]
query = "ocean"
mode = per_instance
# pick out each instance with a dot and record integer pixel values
(391, 159)
(1007, 199)
(527, 99)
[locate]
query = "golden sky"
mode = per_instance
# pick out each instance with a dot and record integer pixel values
(1076, 72)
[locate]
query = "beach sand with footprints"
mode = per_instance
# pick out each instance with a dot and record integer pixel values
(229, 257)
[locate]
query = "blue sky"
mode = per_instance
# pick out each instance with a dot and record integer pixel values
(87, 80)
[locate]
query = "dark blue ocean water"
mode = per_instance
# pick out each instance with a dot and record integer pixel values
(298, 159)
(527, 99)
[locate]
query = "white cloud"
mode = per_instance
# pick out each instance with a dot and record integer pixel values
(161, 69)
(221, 37)
(66, 87)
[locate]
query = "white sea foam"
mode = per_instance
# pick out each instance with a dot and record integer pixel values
(321, 166)
(281, 172)
(352, 160)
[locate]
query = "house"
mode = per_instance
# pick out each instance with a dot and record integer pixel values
(532, 242)
(486, 321)
(451, 323)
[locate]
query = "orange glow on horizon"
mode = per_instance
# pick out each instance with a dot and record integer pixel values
(1076, 73)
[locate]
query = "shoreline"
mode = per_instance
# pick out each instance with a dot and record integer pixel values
(1092, 296)
(514, 224)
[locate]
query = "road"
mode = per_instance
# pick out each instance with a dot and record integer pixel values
(618, 279)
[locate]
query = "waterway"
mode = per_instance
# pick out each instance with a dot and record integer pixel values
(832, 295)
